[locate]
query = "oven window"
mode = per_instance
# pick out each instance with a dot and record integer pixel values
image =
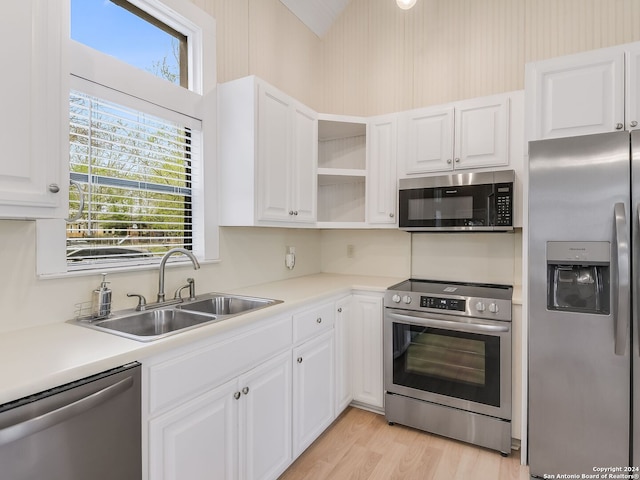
(456, 364)
(458, 208)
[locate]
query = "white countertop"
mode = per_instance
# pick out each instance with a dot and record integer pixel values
(39, 358)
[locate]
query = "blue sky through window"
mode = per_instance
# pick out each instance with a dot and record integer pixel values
(111, 29)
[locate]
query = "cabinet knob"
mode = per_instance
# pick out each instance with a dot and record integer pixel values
(245, 390)
(634, 123)
(236, 395)
(449, 161)
(619, 126)
(299, 359)
(319, 320)
(295, 212)
(340, 310)
(290, 212)
(457, 160)
(54, 187)
(391, 215)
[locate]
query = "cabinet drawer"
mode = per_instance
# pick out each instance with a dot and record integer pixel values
(185, 376)
(313, 322)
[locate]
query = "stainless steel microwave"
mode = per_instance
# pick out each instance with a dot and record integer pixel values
(478, 202)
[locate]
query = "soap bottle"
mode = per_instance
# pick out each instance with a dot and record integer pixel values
(101, 300)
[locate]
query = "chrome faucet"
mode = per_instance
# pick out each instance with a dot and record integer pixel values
(163, 262)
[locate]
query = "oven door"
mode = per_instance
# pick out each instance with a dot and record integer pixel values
(462, 207)
(459, 362)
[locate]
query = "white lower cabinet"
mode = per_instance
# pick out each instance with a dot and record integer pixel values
(198, 440)
(241, 429)
(245, 405)
(344, 393)
(366, 349)
(313, 390)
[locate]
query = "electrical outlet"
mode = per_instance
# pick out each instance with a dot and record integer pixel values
(290, 258)
(351, 251)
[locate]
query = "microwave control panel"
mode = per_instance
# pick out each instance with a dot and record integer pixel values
(504, 204)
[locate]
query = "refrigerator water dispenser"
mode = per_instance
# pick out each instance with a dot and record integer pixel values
(578, 276)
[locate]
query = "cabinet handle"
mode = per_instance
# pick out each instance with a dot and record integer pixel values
(449, 161)
(295, 212)
(391, 215)
(77, 216)
(319, 320)
(245, 390)
(299, 359)
(619, 126)
(54, 187)
(236, 395)
(290, 212)
(457, 160)
(340, 310)
(634, 123)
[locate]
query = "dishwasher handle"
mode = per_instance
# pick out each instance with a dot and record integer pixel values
(457, 326)
(37, 424)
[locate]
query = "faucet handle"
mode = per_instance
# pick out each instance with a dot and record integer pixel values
(142, 302)
(191, 285)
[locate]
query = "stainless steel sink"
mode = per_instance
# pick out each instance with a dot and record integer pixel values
(221, 304)
(153, 324)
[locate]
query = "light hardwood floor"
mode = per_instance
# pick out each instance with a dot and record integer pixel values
(361, 445)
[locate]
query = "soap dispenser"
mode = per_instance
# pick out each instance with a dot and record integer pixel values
(101, 300)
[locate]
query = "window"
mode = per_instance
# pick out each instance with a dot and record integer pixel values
(141, 137)
(134, 171)
(124, 31)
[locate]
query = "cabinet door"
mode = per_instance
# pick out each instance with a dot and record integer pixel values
(342, 346)
(482, 133)
(305, 157)
(381, 189)
(366, 341)
(313, 391)
(632, 99)
(426, 140)
(265, 419)
(33, 125)
(197, 440)
(575, 95)
(274, 144)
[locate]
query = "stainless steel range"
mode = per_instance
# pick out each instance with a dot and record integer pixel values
(447, 360)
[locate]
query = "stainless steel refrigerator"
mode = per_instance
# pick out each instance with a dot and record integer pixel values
(584, 246)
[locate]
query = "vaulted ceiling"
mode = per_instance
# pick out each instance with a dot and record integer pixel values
(318, 15)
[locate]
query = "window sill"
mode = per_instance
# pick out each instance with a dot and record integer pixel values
(120, 269)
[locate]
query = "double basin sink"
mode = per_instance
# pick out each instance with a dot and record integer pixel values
(161, 322)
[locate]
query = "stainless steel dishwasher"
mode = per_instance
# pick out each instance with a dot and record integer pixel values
(87, 429)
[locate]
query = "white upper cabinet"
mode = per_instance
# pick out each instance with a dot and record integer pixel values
(381, 170)
(582, 94)
(467, 134)
(34, 110)
(427, 138)
(267, 145)
(632, 81)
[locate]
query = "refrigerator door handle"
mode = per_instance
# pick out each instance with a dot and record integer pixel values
(622, 269)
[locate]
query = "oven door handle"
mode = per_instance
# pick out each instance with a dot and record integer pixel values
(458, 326)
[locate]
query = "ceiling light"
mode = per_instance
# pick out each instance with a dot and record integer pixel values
(406, 4)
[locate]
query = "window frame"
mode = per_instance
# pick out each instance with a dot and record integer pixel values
(94, 71)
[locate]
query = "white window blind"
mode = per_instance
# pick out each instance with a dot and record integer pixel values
(134, 170)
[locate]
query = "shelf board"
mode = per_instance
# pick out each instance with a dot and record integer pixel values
(342, 172)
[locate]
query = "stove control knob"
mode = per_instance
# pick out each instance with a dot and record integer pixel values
(480, 306)
(396, 298)
(493, 308)
(406, 299)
